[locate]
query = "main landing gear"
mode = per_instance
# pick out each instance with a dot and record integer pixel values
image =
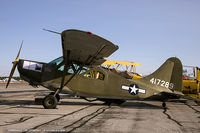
(51, 101)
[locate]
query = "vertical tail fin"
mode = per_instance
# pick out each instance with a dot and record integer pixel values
(169, 75)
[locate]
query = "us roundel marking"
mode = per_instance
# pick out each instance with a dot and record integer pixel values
(133, 89)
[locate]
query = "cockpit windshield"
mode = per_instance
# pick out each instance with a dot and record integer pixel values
(71, 69)
(57, 61)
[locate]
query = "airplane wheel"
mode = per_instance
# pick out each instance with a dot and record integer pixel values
(57, 96)
(50, 102)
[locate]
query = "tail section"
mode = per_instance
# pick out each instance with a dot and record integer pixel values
(169, 75)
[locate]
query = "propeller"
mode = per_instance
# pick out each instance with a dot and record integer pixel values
(14, 66)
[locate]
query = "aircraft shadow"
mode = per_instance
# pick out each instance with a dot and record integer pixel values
(80, 103)
(129, 104)
(31, 102)
(140, 105)
(22, 91)
(17, 102)
(178, 100)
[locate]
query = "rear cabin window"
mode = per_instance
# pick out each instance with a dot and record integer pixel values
(95, 75)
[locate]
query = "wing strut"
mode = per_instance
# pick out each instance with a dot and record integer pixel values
(91, 58)
(66, 64)
(96, 54)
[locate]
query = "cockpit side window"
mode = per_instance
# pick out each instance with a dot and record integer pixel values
(83, 70)
(95, 75)
(59, 63)
(72, 69)
(61, 68)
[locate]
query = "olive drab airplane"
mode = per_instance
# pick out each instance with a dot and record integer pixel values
(78, 72)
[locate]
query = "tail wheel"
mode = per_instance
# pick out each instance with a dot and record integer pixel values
(50, 102)
(164, 105)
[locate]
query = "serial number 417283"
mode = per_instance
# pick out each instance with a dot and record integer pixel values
(162, 83)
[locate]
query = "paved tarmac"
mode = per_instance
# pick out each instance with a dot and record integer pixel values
(18, 113)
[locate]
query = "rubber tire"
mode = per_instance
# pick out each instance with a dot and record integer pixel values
(50, 102)
(57, 96)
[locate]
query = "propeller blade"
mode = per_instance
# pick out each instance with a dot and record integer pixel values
(11, 73)
(14, 66)
(19, 52)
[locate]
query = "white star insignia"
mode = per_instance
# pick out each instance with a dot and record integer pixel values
(133, 89)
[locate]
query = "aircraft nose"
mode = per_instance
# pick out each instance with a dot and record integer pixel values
(31, 71)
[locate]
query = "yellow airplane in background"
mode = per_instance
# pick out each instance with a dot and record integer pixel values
(128, 69)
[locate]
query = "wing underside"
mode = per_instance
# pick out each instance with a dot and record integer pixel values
(85, 47)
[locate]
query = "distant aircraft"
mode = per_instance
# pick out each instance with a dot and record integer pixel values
(78, 72)
(129, 72)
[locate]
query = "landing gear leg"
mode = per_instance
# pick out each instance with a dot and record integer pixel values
(164, 104)
(57, 96)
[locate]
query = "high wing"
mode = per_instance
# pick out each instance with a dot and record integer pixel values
(85, 48)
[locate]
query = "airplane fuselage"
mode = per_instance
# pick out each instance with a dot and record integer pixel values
(94, 82)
